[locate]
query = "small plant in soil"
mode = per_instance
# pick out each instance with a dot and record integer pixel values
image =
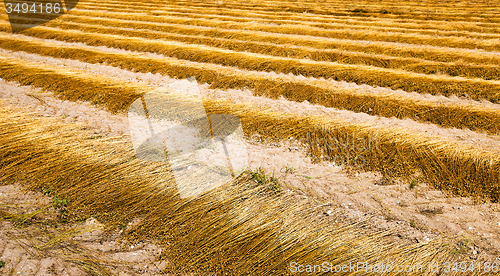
(268, 179)
(462, 246)
(288, 169)
(413, 183)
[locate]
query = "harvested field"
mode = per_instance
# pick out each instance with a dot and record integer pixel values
(397, 79)
(369, 126)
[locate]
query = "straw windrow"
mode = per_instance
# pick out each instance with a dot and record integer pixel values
(476, 14)
(238, 13)
(461, 169)
(240, 229)
(215, 19)
(175, 33)
(414, 27)
(437, 85)
(427, 53)
(433, 40)
(473, 117)
(229, 31)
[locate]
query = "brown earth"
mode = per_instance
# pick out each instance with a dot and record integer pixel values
(45, 245)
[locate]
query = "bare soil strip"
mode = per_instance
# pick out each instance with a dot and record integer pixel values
(47, 244)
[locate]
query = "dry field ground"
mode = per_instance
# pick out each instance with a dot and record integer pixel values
(372, 130)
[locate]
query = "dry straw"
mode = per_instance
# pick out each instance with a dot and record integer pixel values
(245, 13)
(397, 79)
(474, 117)
(435, 11)
(491, 44)
(72, 86)
(422, 52)
(349, 33)
(477, 14)
(461, 169)
(483, 71)
(240, 229)
(242, 14)
(194, 18)
(422, 27)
